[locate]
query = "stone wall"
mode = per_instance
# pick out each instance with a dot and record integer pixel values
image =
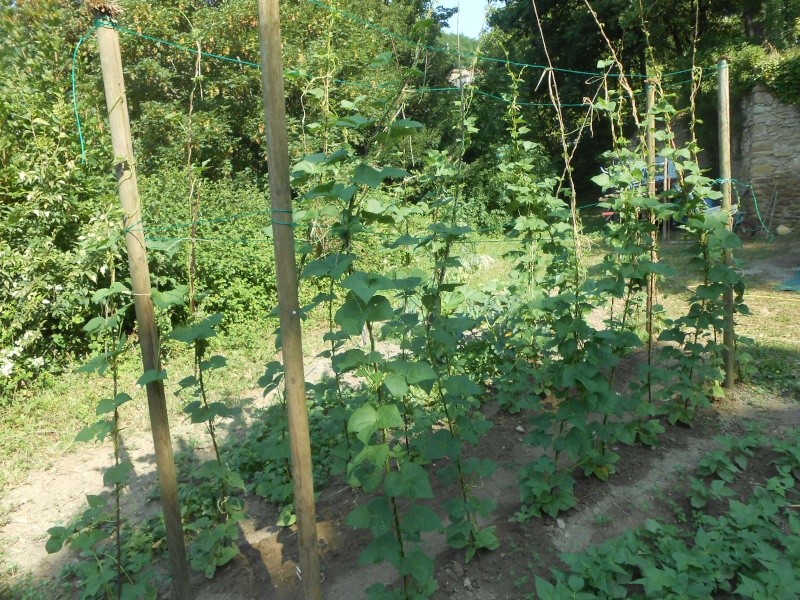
(769, 156)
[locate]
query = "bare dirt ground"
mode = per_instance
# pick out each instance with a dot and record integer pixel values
(647, 479)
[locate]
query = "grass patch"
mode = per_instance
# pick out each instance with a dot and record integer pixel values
(40, 426)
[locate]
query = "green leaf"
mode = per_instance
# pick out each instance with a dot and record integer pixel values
(333, 265)
(418, 518)
(487, 539)
(401, 128)
(461, 385)
(151, 376)
(200, 413)
(351, 316)
(103, 293)
(95, 501)
(272, 377)
(188, 382)
(439, 444)
(411, 482)
(349, 360)
(396, 384)
(366, 175)
(354, 122)
(362, 422)
(287, 516)
(394, 173)
(603, 180)
(169, 298)
(97, 364)
(652, 525)
(379, 309)
(366, 285)
(388, 417)
(360, 517)
(374, 206)
(98, 324)
(118, 474)
(354, 313)
(55, 542)
(417, 564)
(108, 405)
(169, 248)
(201, 330)
(96, 431)
(544, 589)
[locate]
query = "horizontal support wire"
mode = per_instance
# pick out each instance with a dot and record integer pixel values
(106, 22)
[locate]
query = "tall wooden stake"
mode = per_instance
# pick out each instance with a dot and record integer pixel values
(125, 169)
(728, 337)
(286, 269)
(650, 142)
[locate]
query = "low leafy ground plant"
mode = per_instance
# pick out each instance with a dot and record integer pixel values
(739, 537)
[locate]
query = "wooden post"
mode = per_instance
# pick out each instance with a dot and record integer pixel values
(288, 304)
(650, 143)
(724, 110)
(125, 169)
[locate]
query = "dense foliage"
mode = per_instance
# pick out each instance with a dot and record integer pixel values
(199, 138)
(759, 37)
(396, 169)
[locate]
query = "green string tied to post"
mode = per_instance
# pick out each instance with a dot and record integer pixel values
(748, 186)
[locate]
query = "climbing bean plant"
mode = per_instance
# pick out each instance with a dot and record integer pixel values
(416, 354)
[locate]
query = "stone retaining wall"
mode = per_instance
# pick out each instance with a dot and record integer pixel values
(769, 156)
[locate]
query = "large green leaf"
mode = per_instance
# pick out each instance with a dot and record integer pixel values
(108, 405)
(362, 422)
(354, 313)
(333, 265)
(169, 298)
(366, 285)
(202, 330)
(150, 376)
(118, 474)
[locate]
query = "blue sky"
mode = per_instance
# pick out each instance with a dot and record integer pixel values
(470, 17)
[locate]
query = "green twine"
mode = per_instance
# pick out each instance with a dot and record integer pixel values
(462, 54)
(224, 219)
(75, 91)
(151, 38)
(748, 186)
(130, 228)
(221, 240)
(371, 85)
(294, 72)
(105, 22)
(466, 54)
(285, 211)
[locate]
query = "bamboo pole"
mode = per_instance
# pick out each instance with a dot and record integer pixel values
(650, 138)
(125, 170)
(650, 143)
(288, 304)
(724, 130)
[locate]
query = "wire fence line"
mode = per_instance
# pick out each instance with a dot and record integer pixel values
(361, 84)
